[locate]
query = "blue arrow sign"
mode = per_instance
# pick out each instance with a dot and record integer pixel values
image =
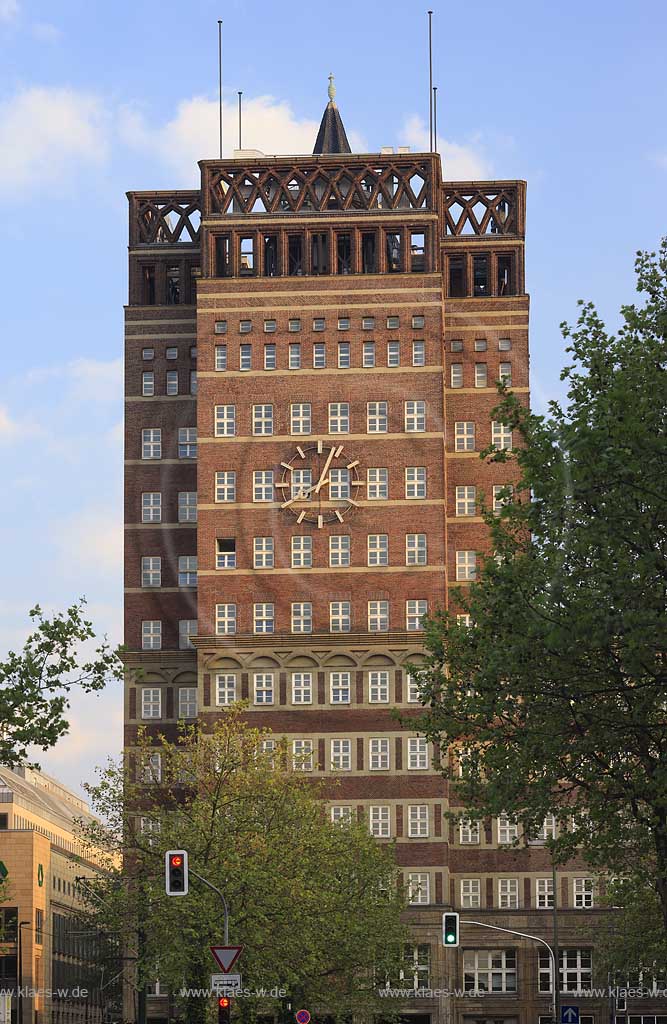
(569, 1015)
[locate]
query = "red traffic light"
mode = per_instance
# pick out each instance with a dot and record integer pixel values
(224, 1002)
(176, 860)
(176, 872)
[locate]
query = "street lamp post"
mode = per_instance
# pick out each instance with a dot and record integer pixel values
(19, 953)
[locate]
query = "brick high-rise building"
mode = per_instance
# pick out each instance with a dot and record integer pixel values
(312, 347)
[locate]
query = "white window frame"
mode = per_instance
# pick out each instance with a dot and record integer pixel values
(341, 755)
(262, 553)
(263, 688)
(262, 420)
(544, 893)
(151, 635)
(378, 616)
(377, 483)
(262, 485)
(379, 754)
(225, 689)
(469, 832)
(340, 548)
(417, 753)
(225, 421)
(377, 417)
(415, 610)
(490, 970)
(464, 436)
(263, 617)
(368, 354)
(418, 353)
(340, 616)
(339, 417)
(300, 418)
(151, 571)
(501, 436)
(415, 482)
(416, 549)
(507, 830)
(187, 702)
(186, 629)
(456, 375)
(466, 500)
(508, 893)
(481, 375)
(225, 485)
(340, 687)
(151, 703)
(379, 821)
(225, 619)
(151, 443)
(466, 565)
(302, 755)
(302, 687)
(187, 506)
(302, 617)
(471, 894)
(378, 687)
(377, 549)
(151, 507)
(584, 892)
(419, 888)
(301, 551)
(418, 821)
(415, 416)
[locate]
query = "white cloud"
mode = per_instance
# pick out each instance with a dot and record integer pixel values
(8, 10)
(12, 428)
(269, 125)
(459, 162)
(46, 134)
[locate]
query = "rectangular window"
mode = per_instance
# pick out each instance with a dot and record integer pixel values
(262, 552)
(341, 815)
(302, 552)
(340, 617)
(480, 375)
(247, 256)
(302, 755)
(501, 436)
(173, 286)
(263, 617)
(502, 495)
(269, 326)
(508, 893)
(576, 972)
(263, 687)
(172, 382)
(417, 753)
(225, 485)
(340, 684)
(148, 353)
(343, 323)
(415, 417)
(415, 610)
(302, 687)
(489, 970)
(468, 832)
(187, 442)
(262, 420)
(584, 892)
(415, 481)
(505, 373)
(378, 687)
(225, 619)
(418, 353)
(456, 375)
(151, 507)
(225, 689)
(151, 572)
(294, 325)
(151, 635)
(319, 356)
(418, 888)
(471, 896)
(271, 265)
(295, 255)
(221, 357)
(418, 323)
(343, 355)
(187, 570)
(339, 484)
(300, 418)
(225, 420)
(151, 444)
(378, 616)
(378, 755)
(151, 702)
(302, 617)
(368, 323)
(394, 253)
(187, 702)
(480, 275)
(506, 275)
(466, 565)
(368, 252)
(319, 253)
(379, 821)
(466, 501)
(378, 549)
(464, 436)
(339, 550)
(376, 417)
(245, 357)
(269, 357)
(171, 353)
(341, 755)
(294, 362)
(262, 485)
(301, 483)
(393, 353)
(508, 830)
(456, 345)
(377, 484)
(187, 628)
(368, 358)
(339, 417)
(319, 323)
(504, 344)
(148, 384)
(417, 252)
(480, 345)
(187, 506)
(544, 893)
(415, 549)
(220, 327)
(413, 689)
(418, 821)
(225, 553)
(457, 277)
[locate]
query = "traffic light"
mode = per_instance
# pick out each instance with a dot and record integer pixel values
(224, 1009)
(450, 929)
(176, 872)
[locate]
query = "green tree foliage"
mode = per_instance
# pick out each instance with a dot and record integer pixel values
(35, 683)
(558, 690)
(316, 905)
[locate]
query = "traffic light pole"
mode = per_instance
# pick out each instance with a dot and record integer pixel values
(224, 901)
(524, 935)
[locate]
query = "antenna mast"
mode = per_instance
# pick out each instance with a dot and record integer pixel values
(220, 81)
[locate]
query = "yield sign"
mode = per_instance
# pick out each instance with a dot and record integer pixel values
(226, 956)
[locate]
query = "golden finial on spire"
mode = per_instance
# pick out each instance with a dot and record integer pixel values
(332, 88)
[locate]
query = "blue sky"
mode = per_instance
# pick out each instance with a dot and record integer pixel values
(96, 99)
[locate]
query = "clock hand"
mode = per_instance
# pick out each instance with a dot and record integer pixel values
(320, 483)
(297, 497)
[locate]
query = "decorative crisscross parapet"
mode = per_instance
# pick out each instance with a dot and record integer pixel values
(484, 208)
(164, 218)
(319, 184)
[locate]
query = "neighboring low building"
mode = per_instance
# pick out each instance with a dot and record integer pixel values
(49, 960)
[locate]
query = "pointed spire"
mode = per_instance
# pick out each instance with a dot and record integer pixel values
(331, 138)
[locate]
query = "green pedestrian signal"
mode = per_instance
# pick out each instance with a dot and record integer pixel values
(450, 929)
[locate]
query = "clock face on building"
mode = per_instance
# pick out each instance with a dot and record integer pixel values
(320, 484)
